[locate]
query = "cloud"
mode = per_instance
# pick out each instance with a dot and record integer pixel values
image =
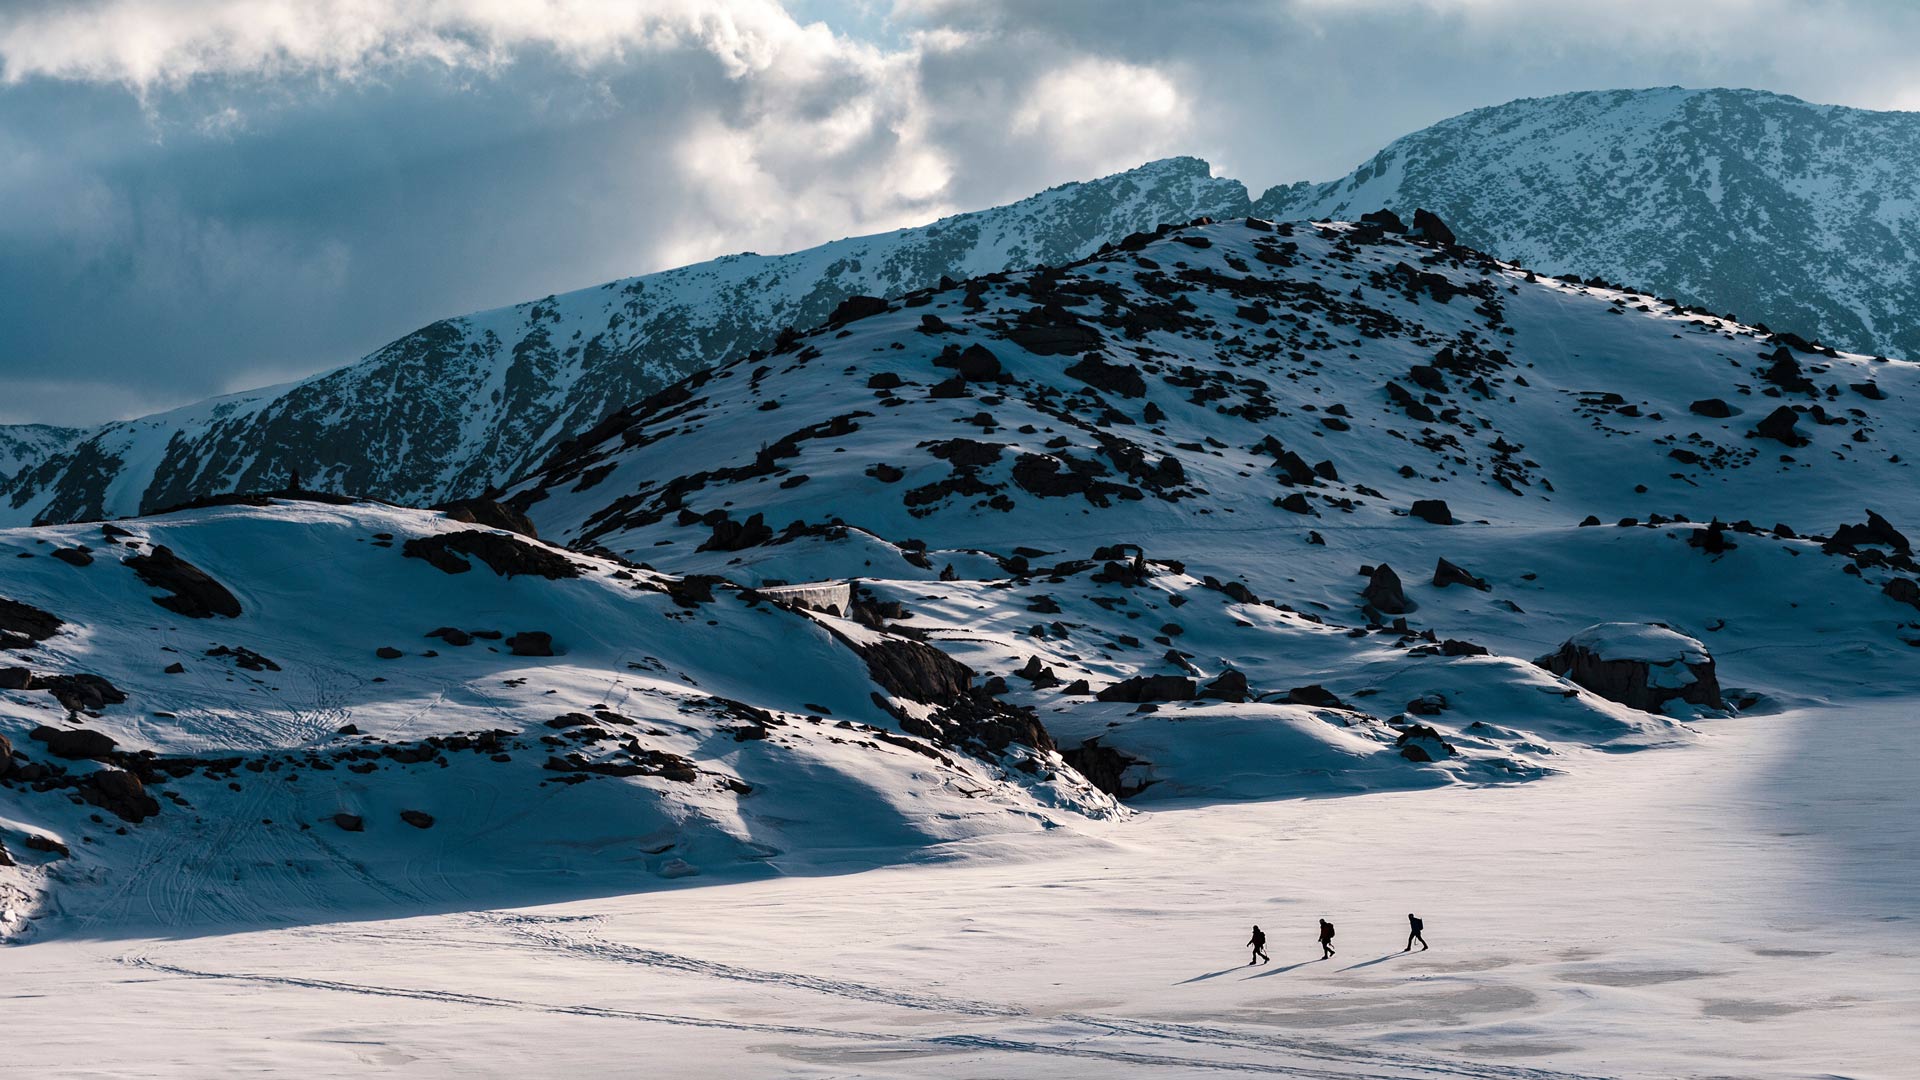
(195, 194)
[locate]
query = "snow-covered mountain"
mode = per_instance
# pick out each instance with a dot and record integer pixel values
(1800, 216)
(1241, 510)
(472, 401)
(22, 445)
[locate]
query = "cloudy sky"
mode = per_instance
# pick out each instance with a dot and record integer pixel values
(199, 196)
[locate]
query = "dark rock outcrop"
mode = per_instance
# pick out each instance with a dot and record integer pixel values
(1314, 696)
(23, 624)
(1428, 226)
(121, 794)
(531, 643)
(487, 512)
(1142, 688)
(1779, 426)
(1876, 531)
(74, 744)
(80, 692)
(1104, 767)
(503, 554)
(195, 593)
(1433, 511)
(1418, 742)
(1446, 573)
(1230, 686)
(1642, 665)
(1384, 594)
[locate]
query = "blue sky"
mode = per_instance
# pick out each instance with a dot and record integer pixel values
(199, 196)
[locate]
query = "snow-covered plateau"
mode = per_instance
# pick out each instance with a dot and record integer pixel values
(1244, 572)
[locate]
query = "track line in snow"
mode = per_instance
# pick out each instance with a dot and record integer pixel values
(529, 927)
(992, 1043)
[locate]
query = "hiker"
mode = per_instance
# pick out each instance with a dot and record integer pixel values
(1259, 943)
(1326, 939)
(1415, 928)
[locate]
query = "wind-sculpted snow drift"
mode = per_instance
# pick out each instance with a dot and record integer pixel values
(1237, 510)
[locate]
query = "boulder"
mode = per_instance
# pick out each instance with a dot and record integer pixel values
(1713, 407)
(531, 643)
(416, 818)
(1384, 594)
(349, 822)
(1903, 590)
(1779, 426)
(1144, 688)
(976, 364)
(80, 692)
(731, 535)
(1103, 766)
(15, 678)
(1230, 686)
(1418, 742)
(1434, 511)
(120, 794)
(1097, 371)
(1428, 226)
(6, 755)
(1314, 696)
(74, 744)
(505, 555)
(26, 622)
(1386, 219)
(491, 514)
(857, 307)
(195, 593)
(388, 652)
(1876, 531)
(1446, 573)
(1644, 665)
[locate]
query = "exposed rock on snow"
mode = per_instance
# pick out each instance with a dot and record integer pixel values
(74, 744)
(23, 624)
(1384, 594)
(194, 593)
(1642, 665)
(1419, 742)
(504, 555)
(482, 511)
(1876, 530)
(1446, 573)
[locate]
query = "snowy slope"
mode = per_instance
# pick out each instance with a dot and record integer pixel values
(1801, 216)
(1262, 410)
(678, 728)
(25, 444)
(472, 401)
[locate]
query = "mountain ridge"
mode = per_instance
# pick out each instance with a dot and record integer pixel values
(475, 401)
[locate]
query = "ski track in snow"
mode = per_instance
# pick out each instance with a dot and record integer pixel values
(1374, 1064)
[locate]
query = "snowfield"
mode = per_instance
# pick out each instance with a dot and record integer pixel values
(1220, 578)
(1719, 910)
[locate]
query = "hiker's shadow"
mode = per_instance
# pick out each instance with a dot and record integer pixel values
(1280, 970)
(1370, 963)
(1213, 974)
